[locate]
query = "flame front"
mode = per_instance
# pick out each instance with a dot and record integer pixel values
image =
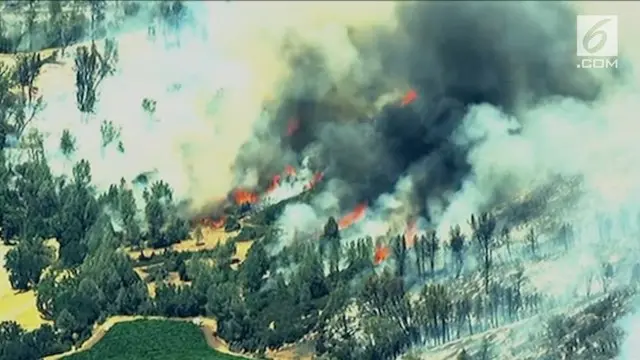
(317, 177)
(290, 170)
(275, 182)
(244, 197)
(213, 223)
(410, 233)
(409, 97)
(381, 254)
(352, 217)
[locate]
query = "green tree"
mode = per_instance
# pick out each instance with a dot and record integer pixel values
(255, 267)
(57, 25)
(80, 210)
(32, 31)
(8, 103)
(164, 226)
(26, 261)
(67, 143)
(91, 68)
(109, 133)
(331, 241)
(28, 103)
(33, 201)
(128, 211)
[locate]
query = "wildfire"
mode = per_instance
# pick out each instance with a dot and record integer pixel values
(290, 170)
(409, 97)
(317, 177)
(243, 197)
(410, 233)
(352, 217)
(275, 182)
(213, 223)
(381, 254)
(293, 126)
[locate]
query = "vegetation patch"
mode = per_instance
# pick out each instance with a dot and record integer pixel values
(152, 339)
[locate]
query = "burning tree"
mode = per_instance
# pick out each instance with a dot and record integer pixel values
(91, 68)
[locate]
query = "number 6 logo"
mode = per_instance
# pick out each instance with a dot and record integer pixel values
(597, 35)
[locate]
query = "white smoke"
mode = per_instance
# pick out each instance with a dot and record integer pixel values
(209, 92)
(596, 143)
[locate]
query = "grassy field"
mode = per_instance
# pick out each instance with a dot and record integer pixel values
(17, 306)
(152, 340)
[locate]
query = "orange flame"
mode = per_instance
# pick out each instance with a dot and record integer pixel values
(275, 182)
(293, 126)
(213, 223)
(218, 223)
(352, 217)
(290, 170)
(409, 97)
(381, 254)
(243, 197)
(317, 177)
(410, 233)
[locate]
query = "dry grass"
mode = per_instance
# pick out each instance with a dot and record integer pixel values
(19, 306)
(211, 238)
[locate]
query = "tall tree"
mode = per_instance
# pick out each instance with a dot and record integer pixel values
(331, 241)
(29, 103)
(98, 17)
(399, 248)
(483, 233)
(128, 212)
(80, 210)
(456, 243)
(255, 267)
(91, 68)
(26, 261)
(432, 246)
(32, 31)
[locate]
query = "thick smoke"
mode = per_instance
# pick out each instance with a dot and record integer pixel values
(210, 92)
(454, 55)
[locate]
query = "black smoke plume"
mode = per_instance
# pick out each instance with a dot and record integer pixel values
(454, 55)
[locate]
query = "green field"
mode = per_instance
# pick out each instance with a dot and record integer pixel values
(152, 340)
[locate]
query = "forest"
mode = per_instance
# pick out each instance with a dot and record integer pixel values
(364, 299)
